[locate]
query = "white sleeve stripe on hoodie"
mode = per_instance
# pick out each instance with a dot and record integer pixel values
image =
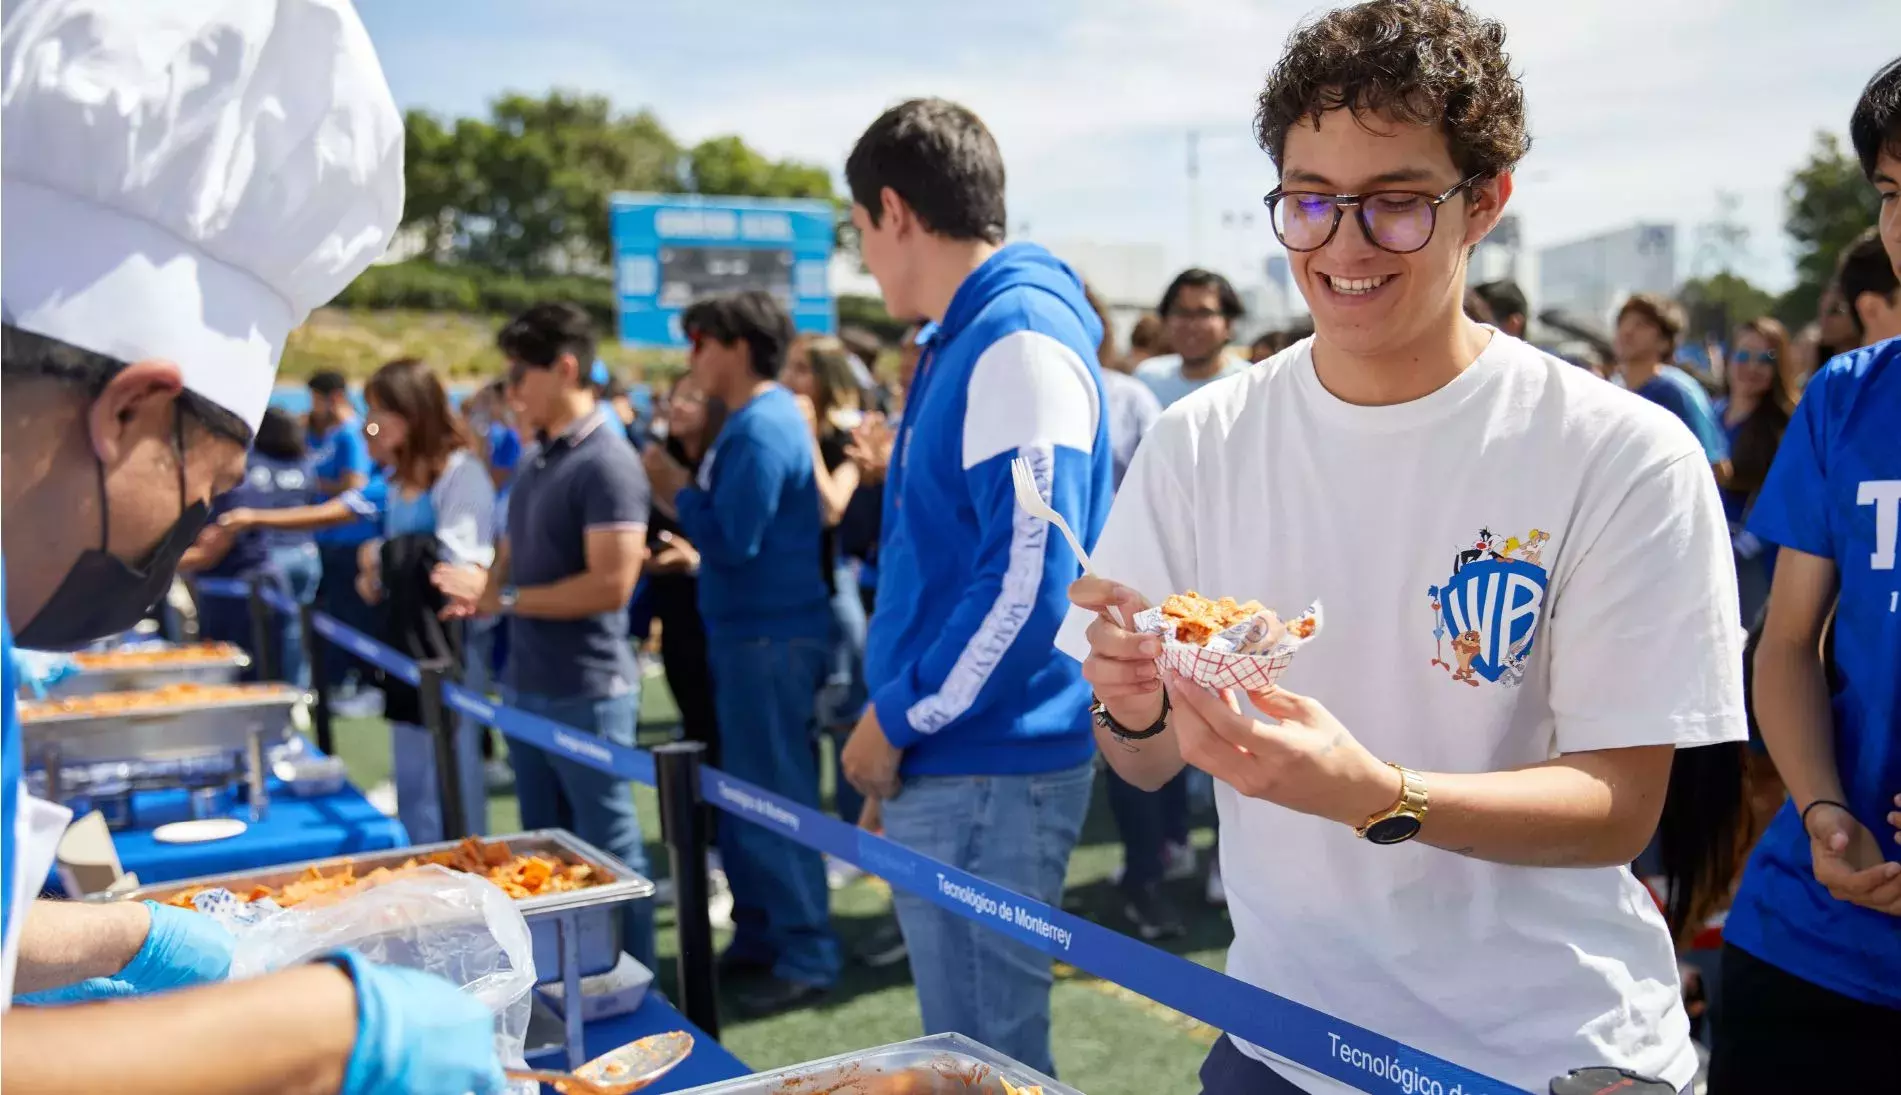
(1028, 394)
(1026, 390)
(1007, 614)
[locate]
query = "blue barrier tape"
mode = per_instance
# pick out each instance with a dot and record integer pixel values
(222, 587)
(1313, 1039)
(553, 737)
(1310, 1038)
(278, 600)
(366, 648)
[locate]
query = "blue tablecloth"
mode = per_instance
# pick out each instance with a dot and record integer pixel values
(709, 1062)
(293, 830)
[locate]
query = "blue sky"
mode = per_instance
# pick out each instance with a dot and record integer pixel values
(1640, 109)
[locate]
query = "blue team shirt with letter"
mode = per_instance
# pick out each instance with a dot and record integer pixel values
(1835, 492)
(339, 452)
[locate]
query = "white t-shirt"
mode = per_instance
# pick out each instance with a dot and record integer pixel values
(1526, 562)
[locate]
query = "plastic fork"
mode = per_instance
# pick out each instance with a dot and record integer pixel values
(1032, 502)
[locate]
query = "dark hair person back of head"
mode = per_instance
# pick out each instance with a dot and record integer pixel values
(1865, 267)
(752, 317)
(1423, 62)
(328, 383)
(1875, 126)
(278, 436)
(1196, 278)
(1504, 298)
(546, 331)
(939, 158)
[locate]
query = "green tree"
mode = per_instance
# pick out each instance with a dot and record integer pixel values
(1716, 304)
(727, 165)
(1829, 203)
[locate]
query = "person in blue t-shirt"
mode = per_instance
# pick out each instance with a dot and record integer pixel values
(1648, 327)
(279, 474)
(341, 459)
(754, 518)
(1810, 998)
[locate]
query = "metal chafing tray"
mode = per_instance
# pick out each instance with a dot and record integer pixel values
(240, 725)
(575, 934)
(942, 1064)
(214, 667)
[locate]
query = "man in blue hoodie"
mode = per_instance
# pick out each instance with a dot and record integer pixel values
(977, 741)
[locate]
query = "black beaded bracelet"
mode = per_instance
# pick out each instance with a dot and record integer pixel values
(1843, 806)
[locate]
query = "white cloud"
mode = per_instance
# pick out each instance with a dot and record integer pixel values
(1640, 109)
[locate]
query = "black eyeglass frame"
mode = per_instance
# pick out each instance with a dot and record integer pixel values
(1341, 202)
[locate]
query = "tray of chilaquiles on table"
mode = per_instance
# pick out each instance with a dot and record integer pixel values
(942, 1064)
(155, 724)
(151, 665)
(554, 876)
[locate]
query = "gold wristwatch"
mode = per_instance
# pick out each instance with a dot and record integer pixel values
(1399, 822)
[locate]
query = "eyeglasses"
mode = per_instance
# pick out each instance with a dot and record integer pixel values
(1396, 221)
(1753, 357)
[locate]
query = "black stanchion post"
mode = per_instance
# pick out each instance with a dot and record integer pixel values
(440, 722)
(263, 635)
(685, 827)
(314, 651)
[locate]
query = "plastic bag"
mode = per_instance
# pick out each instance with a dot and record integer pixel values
(458, 926)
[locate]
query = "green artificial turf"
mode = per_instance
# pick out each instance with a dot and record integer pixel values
(1108, 1040)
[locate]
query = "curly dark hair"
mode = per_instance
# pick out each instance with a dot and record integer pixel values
(1420, 62)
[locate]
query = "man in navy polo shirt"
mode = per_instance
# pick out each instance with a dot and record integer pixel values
(1811, 987)
(577, 531)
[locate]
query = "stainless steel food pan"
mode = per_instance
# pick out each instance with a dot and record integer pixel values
(590, 913)
(216, 669)
(163, 734)
(942, 1064)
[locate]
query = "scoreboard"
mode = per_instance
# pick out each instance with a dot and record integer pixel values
(671, 249)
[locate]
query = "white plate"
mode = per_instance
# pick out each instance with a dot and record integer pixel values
(199, 831)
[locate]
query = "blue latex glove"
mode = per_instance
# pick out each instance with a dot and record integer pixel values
(181, 948)
(417, 1034)
(41, 669)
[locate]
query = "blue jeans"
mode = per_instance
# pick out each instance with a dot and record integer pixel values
(764, 691)
(843, 699)
(419, 796)
(558, 793)
(297, 572)
(1147, 820)
(1015, 831)
(294, 571)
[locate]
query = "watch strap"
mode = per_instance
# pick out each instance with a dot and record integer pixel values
(1411, 803)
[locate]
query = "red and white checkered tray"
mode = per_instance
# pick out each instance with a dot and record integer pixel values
(1217, 664)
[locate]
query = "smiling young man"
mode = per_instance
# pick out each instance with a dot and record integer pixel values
(1198, 311)
(1811, 988)
(1528, 596)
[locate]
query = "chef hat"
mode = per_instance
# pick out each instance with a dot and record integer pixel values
(187, 179)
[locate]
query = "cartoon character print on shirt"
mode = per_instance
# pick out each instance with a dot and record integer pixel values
(1490, 606)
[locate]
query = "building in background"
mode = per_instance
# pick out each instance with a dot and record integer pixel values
(1589, 278)
(1127, 277)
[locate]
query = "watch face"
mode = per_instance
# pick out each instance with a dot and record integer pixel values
(1393, 830)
